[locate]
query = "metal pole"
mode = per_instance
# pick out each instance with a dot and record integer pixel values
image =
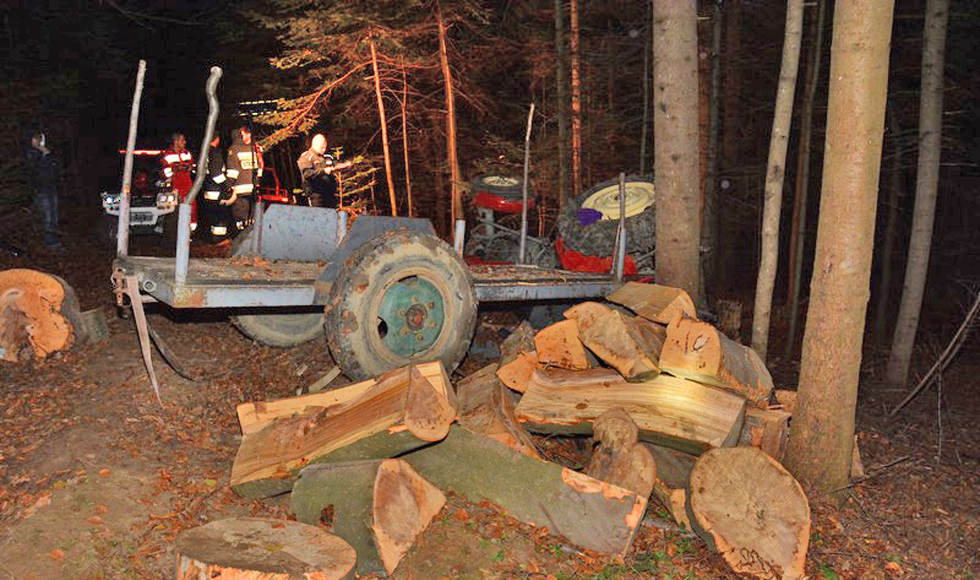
(184, 211)
(527, 163)
(621, 235)
(122, 231)
(459, 236)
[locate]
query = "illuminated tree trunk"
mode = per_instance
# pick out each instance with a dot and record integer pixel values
(775, 174)
(926, 185)
(561, 79)
(797, 238)
(819, 452)
(709, 225)
(384, 130)
(675, 128)
(891, 227)
(408, 177)
(451, 159)
(576, 102)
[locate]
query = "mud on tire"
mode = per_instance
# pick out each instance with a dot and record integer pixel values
(598, 239)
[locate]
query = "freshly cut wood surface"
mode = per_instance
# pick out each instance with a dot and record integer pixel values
(518, 359)
(262, 549)
(558, 345)
(619, 458)
(697, 351)
(486, 407)
(587, 313)
(254, 416)
(766, 429)
(673, 481)
(622, 344)
(380, 507)
(748, 507)
(401, 412)
(591, 514)
(667, 410)
(31, 317)
(654, 302)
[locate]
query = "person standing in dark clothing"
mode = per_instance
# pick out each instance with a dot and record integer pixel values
(244, 170)
(216, 213)
(316, 166)
(44, 169)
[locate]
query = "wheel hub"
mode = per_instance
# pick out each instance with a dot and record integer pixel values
(411, 317)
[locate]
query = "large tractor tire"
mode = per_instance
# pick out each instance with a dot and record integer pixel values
(402, 298)
(502, 185)
(599, 238)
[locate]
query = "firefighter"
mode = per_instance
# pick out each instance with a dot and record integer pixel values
(215, 210)
(316, 166)
(244, 169)
(177, 165)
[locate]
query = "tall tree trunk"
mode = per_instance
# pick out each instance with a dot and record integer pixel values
(926, 186)
(891, 227)
(451, 158)
(384, 130)
(709, 225)
(819, 452)
(408, 173)
(675, 128)
(561, 80)
(576, 101)
(647, 49)
(775, 173)
(797, 239)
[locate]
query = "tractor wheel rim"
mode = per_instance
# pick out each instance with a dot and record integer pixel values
(500, 181)
(411, 316)
(639, 196)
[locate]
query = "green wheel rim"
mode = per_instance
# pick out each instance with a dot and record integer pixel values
(411, 316)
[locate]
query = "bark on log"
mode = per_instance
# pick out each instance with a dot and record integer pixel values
(624, 344)
(380, 507)
(34, 314)
(696, 350)
(559, 346)
(767, 430)
(586, 313)
(619, 458)
(486, 407)
(673, 481)
(668, 411)
(749, 508)
(518, 359)
(654, 302)
(591, 514)
(239, 549)
(401, 412)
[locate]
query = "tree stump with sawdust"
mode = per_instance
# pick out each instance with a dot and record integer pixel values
(38, 315)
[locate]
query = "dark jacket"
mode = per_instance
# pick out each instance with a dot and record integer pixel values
(44, 171)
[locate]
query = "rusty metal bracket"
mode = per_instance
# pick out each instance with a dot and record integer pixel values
(128, 285)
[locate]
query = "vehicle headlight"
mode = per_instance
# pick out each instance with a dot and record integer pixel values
(219, 230)
(109, 200)
(166, 200)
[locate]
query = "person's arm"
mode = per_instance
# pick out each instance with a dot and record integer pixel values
(307, 169)
(232, 170)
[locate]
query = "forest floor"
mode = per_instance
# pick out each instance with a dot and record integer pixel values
(97, 478)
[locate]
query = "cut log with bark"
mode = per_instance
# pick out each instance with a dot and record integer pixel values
(379, 507)
(401, 412)
(254, 416)
(591, 514)
(559, 346)
(38, 315)
(623, 344)
(486, 407)
(696, 350)
(262, 549)
(654, 302)
(786, 400)
(766, 429)
(619, 458)
(749, 508)
(518, 359)
(586, 313)
(667, 410)
(673, 481)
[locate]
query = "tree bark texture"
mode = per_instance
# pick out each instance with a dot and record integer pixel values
(576, 100)
(675, 128)
(886, 257)
(926, 186)
(451, 158)
(775, 173)
(561, 79)
(384, 130)
(819, 452)
(797, 238)
(408, 172)
(709, 226)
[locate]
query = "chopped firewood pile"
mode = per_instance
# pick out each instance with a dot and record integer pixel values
(676, 410)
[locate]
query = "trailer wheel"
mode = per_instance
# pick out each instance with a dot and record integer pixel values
(599, 238)
(402, 298)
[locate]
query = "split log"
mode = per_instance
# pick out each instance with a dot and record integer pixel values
(696, 350)
(518, 359)
(558, 345)
(486, 407)
(749, 508)
(591, 514)
(673, 481)
(401, 412)
(262, 549)
(786, 400)
(38, 314)
(654, 302)
(667, 410)
(623, 344)
(766, 429)
(619, 458)
(586, 313)
(254, 417)
(379, 507)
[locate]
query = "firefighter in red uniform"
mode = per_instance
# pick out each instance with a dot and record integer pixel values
(178, 166)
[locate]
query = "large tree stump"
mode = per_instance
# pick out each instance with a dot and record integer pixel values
(696, 350)
(401, 412)
(668, 411)
(379, 507)
(654, 302)
(38, 313)
(591, 514)
(559, 346)
(749, 508)
(619, 458)
(262, 549)
(518, 359)
(486, 407)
